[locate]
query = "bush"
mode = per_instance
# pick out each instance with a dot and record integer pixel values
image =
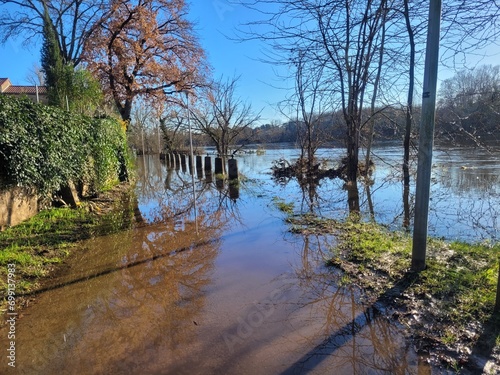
(108, 140)
(44, 147)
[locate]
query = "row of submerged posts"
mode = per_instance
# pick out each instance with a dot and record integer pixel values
(182, 161)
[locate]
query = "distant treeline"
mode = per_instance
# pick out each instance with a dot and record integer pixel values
(480, 125)
(468, 111)
(389, 123)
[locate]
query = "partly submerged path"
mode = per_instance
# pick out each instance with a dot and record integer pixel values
(240, 297)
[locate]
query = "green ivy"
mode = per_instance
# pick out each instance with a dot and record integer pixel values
(44, 147)
(108, 139)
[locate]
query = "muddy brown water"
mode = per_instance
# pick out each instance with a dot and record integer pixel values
(234, 294)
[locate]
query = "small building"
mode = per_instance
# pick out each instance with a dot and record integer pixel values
(36, 93)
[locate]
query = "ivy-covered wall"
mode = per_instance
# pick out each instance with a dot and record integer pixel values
(43, 147)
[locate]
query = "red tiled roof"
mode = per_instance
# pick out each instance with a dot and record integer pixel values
(25, 90)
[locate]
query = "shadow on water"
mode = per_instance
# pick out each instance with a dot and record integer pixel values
(321, 324)
(349, 332)
(126, 300)
(114, 269)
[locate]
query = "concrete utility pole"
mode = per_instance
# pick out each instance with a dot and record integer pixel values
(426, 138)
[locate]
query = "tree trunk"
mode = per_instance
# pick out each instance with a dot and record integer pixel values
(352, 151)
(374, 99)
(353, 199)
(125, 113)
(409, 118)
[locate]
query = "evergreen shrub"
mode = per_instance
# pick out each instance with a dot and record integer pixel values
(43, 147)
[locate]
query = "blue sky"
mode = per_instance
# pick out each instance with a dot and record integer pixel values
(216, 20)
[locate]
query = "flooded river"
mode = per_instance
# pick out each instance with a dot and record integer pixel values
(221, 286)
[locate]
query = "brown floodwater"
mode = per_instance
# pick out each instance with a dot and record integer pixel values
(225, 290)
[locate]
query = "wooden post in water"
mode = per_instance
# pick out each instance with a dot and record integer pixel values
(177, 161)
(234, 190)
(199, 173)
(208, 177)
(208, 163)
(183, 162)
(190, 164)
(219, 168)
(219, 182)
(232, 169)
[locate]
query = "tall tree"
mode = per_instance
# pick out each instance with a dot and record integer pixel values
(409, 113)
(74, 21)
(349, 35)
(468, 27)
(342, 35)
(145, 48)
(56, 72)
(68, 88)
(223, 116)
(309, 105)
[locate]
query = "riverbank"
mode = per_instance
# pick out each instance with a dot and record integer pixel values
(38, 247)
(446, 310)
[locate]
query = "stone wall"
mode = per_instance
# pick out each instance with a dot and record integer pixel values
(16, 205)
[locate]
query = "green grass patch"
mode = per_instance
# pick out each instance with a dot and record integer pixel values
(38, 244)
(284, 207)
(462, 276)
(458, 287)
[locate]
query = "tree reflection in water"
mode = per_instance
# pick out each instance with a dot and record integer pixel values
(348, 328)
(172, 198)
(161, 299)
(140, 291)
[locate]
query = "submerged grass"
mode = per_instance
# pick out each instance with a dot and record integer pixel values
(284, 207)
(38, 244)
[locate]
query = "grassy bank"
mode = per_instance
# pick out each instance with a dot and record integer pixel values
(447, 308)
(39, 244)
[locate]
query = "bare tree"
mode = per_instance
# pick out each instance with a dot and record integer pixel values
(142, 126)
(376, 85)
(223, 116)
(309, 107)
(468, 105)
(174, 127)
(468, 27)
(36, 76)
(74, 20)
(344, 36)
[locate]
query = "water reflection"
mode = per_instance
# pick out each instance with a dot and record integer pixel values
(349, 328)
(242, 294)
(125, 306)
(464, 190)
(167, 193)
